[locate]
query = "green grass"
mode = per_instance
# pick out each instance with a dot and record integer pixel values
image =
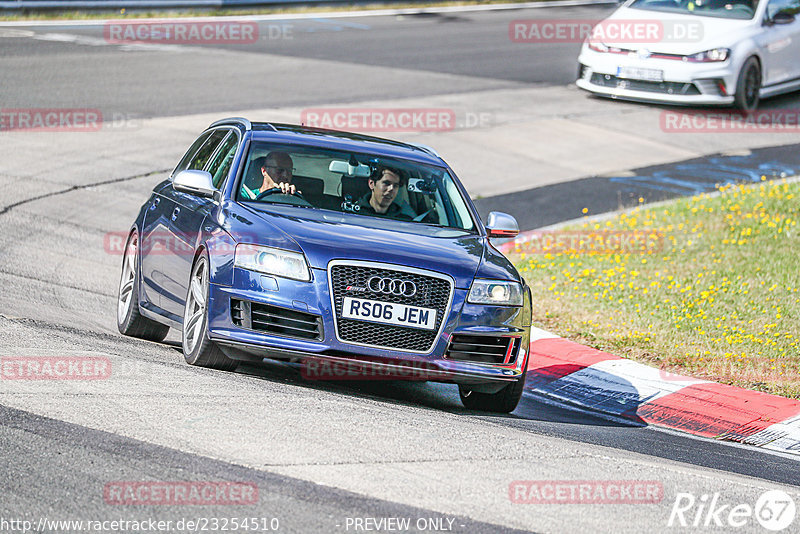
(713, 293)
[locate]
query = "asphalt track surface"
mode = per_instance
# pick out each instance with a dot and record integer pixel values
(418, 49)
(320, 453)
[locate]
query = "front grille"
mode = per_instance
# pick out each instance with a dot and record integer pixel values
(483, 349)
(670, 88)
(432, 292)
(276, 320)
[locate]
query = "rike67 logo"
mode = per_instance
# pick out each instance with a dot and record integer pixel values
(774, 510)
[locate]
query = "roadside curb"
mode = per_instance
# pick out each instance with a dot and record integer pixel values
(570, 374)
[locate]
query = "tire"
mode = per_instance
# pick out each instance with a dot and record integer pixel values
(748, 86)
(504, 401)
(129, 319)
(198, 349)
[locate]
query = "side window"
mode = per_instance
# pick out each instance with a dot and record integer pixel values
(460, 209)
(201, 158)
(221, 163)
(791, 7)
(189, 153)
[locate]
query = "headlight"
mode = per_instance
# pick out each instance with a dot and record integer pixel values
(710, 56)
(497, 292)
(597, 46)
(272, 261)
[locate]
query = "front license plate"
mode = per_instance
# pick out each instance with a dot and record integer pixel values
(375, 311)
(635, 73)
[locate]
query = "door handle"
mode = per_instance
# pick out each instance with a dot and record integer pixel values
(154, 205)
(175, 213)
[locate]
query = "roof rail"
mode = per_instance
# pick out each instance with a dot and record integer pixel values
(234, 120)
(427, 149)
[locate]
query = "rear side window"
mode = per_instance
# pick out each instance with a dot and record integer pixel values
(221, 163)
(190, 153)
(200, 159)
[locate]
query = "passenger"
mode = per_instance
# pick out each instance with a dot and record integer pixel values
(384, 186)
(276, 171)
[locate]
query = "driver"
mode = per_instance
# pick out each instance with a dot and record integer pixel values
(384, 186)
(276, 170)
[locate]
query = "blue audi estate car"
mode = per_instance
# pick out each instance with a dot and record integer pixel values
(351, 256)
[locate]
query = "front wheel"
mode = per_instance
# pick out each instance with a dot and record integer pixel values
(504, 401)
(198, 349)
(748, 86)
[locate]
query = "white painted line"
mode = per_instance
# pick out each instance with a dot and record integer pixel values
(332, 14)
(783, 436)
(96, 41)
(614, 387)
(538, 333)
(651, 383)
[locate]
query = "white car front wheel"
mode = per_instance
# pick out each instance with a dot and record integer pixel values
(748, 86)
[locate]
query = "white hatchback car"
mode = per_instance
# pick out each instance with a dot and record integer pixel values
(695, 52)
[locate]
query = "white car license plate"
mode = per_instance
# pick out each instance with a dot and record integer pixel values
(389, 313)
(636, 73)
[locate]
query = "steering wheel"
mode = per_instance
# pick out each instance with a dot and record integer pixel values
(279, 191)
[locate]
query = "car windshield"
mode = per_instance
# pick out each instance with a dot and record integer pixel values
(356, 183)
(730, 9)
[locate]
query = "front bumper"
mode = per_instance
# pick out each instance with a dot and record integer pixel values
(683, 83)
(342, 360)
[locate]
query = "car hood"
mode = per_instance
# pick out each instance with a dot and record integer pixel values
(326, 235)
(710, 32)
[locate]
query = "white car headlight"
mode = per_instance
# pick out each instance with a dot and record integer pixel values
(710, 56)
(597, 46)
(499, 292)
(272, 261)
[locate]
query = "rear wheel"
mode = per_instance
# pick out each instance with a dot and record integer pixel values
(129, 320)
(198, 349)
(504, 401)
(748, 86)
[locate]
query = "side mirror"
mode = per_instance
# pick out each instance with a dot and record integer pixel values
(500, 224)
(782, 17)
(194, 182)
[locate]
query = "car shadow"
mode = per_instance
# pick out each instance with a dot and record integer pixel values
(540, 413)
(535, 404)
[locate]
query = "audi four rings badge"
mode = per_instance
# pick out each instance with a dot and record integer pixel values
(392, 286)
